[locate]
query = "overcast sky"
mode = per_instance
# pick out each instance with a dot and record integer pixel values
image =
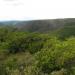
(36, 9)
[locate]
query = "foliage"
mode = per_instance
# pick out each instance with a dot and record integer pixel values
(67, 31)
(36, 53)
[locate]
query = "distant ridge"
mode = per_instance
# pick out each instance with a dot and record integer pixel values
(45, 25)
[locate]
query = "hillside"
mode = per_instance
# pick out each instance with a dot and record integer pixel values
(40, 47)
(38, 25)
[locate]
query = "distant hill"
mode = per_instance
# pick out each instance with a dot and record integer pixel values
(39, 25)
(43, 25)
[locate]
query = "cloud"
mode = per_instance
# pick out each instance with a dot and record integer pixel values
(11, 3)
(36, 9)
(9, 0)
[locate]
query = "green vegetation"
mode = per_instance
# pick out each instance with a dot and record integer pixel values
(67, 31)
(25, 53)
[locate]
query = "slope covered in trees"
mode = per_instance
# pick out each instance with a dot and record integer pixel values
(33, 53)
(38, 25)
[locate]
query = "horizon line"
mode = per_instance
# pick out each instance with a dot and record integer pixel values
(32, 19)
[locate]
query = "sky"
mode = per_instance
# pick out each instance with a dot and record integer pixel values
(36, 9)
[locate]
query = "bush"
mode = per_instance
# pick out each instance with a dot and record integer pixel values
(3, 70)
(30, 42)
(56, 55)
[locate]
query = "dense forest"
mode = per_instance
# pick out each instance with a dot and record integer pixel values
(44, 47)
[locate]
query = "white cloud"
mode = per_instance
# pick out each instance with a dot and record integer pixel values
(36, 9)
